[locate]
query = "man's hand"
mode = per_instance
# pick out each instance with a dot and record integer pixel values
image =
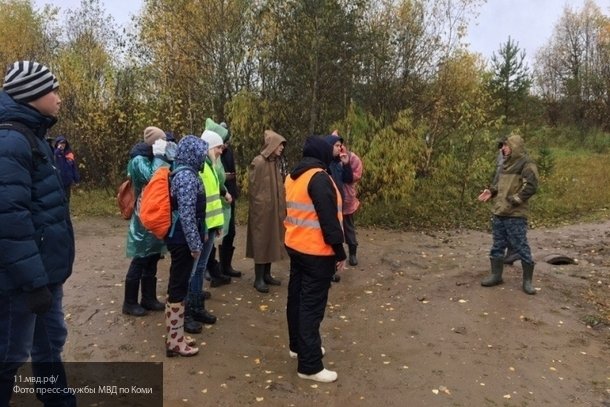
(228, 197)
(340, 265)
(485, 195)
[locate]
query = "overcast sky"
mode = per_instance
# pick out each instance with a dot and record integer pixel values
(529, 22)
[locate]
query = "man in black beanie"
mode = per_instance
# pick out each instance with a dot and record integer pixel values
(37, 238)
(314, 241)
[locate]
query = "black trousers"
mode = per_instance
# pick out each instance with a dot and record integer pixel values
(227, 241)
(179, 272)
(349, 230)
(143, 267)
(308, 287)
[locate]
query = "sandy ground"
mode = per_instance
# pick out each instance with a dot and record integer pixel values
(409, 326)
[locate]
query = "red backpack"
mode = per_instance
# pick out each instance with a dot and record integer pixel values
(155, 202)
(126, 199)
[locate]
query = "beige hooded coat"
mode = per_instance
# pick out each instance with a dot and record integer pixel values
(267, 204)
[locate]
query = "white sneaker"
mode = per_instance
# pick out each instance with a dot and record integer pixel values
(323, 376)
(295, 355)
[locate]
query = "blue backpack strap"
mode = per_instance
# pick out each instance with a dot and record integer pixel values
(175, 214)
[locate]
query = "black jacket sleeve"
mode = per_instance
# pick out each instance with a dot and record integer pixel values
(324, 198)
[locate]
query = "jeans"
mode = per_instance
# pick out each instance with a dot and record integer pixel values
(24, 334)
(196, 282)
(510, 232)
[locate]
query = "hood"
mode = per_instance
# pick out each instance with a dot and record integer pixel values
(272, 142)
(317, 153)
(192, 152)
(23, 113)
(517, 147)
(332, 139)
(59, 139)
(141, 149)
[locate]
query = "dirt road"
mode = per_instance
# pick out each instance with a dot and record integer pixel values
(410, 326)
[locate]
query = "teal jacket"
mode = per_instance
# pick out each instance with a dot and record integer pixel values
(141, 167)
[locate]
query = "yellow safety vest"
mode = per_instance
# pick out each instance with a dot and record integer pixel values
(303, 231)
(213, 205)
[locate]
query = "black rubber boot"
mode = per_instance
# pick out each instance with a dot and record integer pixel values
(130, 302)
(149, 295)
(352, 259)
(225, 254)
(528, 274)
(259, 278)
(497, 266)
(268, 277)
(216, 277)
(199, 313)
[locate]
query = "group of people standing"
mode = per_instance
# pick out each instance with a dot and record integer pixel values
(203, 206)
(306, 214)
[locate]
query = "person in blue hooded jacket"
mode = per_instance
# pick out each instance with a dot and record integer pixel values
(66, 164)
(186, 241)
(37, 238)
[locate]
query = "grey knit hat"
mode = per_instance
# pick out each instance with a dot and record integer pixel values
(26, 81)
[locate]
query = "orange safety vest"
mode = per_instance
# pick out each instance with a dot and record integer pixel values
(303, 231)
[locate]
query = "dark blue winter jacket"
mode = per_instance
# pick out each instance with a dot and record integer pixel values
(36, 237)
(64, 160)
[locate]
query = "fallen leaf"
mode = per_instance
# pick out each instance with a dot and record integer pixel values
(260, 399)
(435, 391)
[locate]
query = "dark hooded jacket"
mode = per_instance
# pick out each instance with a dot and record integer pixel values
(516, 183)
(65, 162)
(317, 153)
(36, 239)
(342, 174)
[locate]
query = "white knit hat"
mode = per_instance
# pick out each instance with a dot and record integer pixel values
(26, 81)
(212, 138)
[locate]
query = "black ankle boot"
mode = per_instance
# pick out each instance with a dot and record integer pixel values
(199, 313)
(216, 277)
(191, 326)
(130, 302)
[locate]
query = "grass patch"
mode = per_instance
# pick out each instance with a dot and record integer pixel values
(94, 202)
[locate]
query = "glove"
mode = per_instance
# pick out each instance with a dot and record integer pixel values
(171, 150)
(159, 146)
(39, 300)
(514, 200)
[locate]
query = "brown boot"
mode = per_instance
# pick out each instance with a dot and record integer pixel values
(175, 341)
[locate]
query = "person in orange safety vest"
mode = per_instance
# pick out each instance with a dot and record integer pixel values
(314, 241)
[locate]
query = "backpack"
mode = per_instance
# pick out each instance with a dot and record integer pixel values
(38, 156)
(155, 203)
(126, 199)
